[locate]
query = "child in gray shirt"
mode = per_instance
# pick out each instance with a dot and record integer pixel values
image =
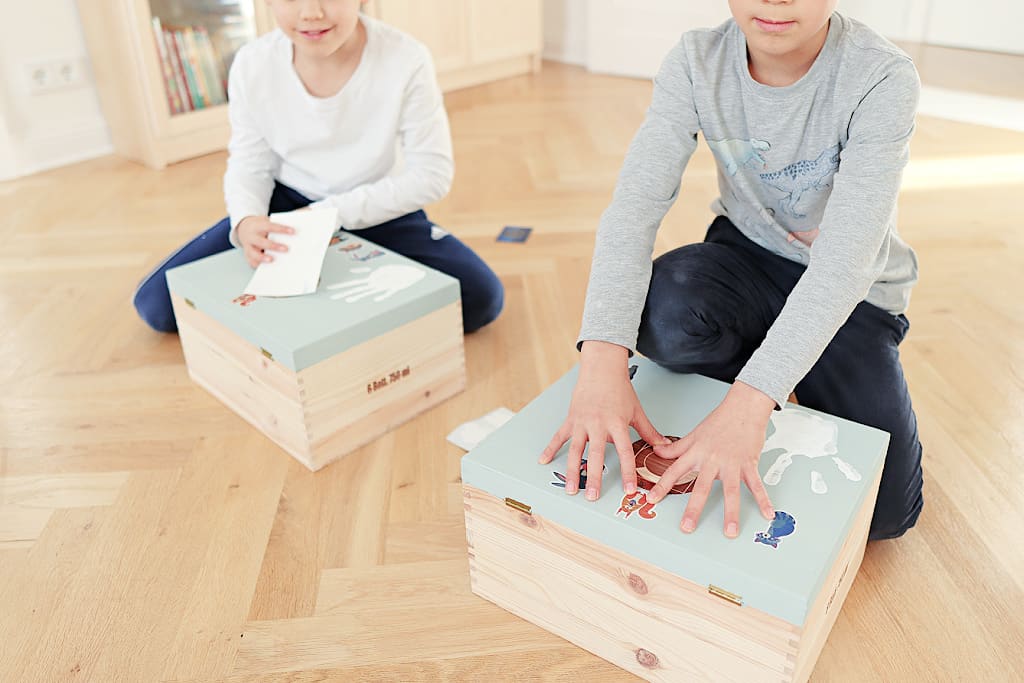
(802, 280)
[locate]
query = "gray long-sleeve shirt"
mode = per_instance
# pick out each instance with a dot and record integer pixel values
(809, 171)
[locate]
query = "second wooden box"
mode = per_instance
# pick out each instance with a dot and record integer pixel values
(617, 576)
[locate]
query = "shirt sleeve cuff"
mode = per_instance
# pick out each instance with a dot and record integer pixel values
(772, 387)
(628, 344)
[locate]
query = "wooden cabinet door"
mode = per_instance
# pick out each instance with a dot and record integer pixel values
(500, 29)
(440, 24)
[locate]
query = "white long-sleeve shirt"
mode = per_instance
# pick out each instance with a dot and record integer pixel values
(378, 149)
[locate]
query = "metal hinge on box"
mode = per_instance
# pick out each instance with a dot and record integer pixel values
(516, 505)
(266, 353)
(189, 302)
(725, 595)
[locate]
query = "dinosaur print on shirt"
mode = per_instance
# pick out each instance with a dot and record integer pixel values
(734, 153)
(803, 176)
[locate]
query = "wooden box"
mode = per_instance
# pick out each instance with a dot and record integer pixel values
(323, 374)
(617, 576)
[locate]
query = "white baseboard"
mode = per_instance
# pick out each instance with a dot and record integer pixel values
(557, 52)
(59, 149)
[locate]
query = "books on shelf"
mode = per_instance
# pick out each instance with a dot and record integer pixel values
(193, 72)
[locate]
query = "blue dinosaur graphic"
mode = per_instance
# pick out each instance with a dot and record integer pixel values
(782, 525)
(735, 153)
(802, 176)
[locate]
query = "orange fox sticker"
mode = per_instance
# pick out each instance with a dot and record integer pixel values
(649, 469)
(636, 502)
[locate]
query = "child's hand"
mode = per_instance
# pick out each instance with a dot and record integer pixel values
(604, 406)
(726, 445)
(254, 236)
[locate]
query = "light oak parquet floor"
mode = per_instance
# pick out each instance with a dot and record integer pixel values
(149, 534)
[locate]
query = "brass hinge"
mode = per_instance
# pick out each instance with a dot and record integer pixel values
(266, 353)
(725, 595)
(516, 505)
(189, 302)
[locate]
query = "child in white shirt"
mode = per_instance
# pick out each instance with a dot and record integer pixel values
(335, 109)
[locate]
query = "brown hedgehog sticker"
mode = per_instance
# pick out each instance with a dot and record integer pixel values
(649, 469)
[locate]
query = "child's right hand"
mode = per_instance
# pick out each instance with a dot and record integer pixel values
(254, 236)
(604, 406)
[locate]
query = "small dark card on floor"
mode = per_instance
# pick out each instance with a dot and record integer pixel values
(512, 233)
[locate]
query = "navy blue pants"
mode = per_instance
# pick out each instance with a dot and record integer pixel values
(708, 309)
(411, 236)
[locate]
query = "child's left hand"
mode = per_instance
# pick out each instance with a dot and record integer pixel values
(726, 445)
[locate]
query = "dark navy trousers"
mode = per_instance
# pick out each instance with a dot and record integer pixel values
(412, 236)
(708, 309)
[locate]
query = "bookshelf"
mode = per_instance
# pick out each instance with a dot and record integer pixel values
(162, 108)
(161, 70)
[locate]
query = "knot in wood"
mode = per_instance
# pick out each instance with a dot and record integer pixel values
(647, 659)
(638, 585)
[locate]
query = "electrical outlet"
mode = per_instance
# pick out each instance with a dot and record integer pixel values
(38, 77)
(56, 74)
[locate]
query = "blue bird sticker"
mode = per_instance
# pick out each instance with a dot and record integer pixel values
(782, 525)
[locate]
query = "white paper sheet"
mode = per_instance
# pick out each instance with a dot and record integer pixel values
(296, 271)
(469, 434)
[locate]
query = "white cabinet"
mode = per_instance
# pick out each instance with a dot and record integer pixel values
(472, 41)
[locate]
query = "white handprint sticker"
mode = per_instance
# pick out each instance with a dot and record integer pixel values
(383, 282)
(800, 433)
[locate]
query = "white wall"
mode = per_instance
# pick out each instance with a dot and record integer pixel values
(44, 130)
(643, 32)
(995, 25)
(565, 31)
(630, 37)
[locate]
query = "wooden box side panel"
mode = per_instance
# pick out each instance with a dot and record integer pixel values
(358, 434)
(361, 382)
(261, 391)
(634, 614)
(372, 388)
(273, 375)
(825, 610)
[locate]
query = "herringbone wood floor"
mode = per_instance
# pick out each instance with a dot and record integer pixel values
(148, 534)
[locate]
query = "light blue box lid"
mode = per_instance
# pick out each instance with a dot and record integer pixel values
(353, 303)
(783, 580)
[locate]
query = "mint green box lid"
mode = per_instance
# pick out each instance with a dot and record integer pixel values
(783, 580)
(301, 331)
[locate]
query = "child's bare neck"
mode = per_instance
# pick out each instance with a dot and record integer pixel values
(326, 76)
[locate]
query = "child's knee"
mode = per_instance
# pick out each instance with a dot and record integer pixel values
(152, 302)
(482, 304)
(678, 318)
(893, 523)
(897, 508)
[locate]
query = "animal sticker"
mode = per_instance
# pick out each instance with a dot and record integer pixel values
(650, 467)
(583, 476)
(350, 247)
(782, 525)
(366, 257)
(636, 502)
(243, 300)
